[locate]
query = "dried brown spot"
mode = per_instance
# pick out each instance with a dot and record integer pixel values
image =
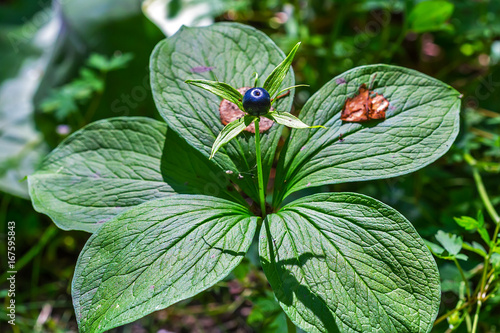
(367, 105)
(229, 112)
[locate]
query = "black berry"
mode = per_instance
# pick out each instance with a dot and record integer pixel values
(256, 101)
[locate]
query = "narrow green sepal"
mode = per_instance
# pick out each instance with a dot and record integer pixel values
(230, 132)
(220, 89)
(274, 80)
(286, 89)
(256, 79)
(287, 119)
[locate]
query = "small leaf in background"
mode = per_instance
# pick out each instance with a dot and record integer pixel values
(274, 80)
(230, 132)
(105, 64)
(451, 243)
(470, 223)
(91, 79)
(430, 16)
(475, 247)
(441, 253)
(60, 102)
(220, 89)
(67, 99)
(495, 260)
(287, 119)
(436, 249)
(266, 315)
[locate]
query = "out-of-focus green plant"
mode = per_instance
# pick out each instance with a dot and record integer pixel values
(67, 100)
(482, 282)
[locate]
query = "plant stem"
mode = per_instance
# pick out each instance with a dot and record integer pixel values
(481, 296)
(290, 326)
(462, 274)
(262, 195)
(47, 236)
(449, 313)
(481, 189)
(484, 196)
(476, 316)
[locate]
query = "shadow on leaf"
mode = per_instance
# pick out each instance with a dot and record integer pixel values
(290, 290)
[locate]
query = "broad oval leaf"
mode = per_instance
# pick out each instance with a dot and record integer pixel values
(346, 262)
(155, 255)
(115, 164)
(421, 123)
(230, 53)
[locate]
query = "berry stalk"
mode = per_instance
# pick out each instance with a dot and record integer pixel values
(260, 178)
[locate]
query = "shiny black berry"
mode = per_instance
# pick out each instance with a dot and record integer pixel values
(257, 101)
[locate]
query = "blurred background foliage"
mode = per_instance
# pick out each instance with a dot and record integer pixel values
(67, 63)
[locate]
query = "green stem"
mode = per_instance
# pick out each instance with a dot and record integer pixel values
(462, 274)
(484, 196)
(476, 316)
(262, 196)
(47, 236)
(449, 313)
(481, 297)
(290, 326)
(468, 324)
(481, 189)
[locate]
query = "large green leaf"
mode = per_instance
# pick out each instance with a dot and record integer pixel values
(348, 262)
(229, 53)
(421, 124)
(112, 165)
(155, 255)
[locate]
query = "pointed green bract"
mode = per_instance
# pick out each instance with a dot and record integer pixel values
(220, 89)
(287, 89)
(287, 119)
(274, 80)
(346, 262)
(155, 255)
(230, 132)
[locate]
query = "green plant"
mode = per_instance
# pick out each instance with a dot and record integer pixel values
(450, 248)
(64, 101)
(168, 222)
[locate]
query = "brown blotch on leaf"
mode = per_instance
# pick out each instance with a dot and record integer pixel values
(367, 105)
(229, 112)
